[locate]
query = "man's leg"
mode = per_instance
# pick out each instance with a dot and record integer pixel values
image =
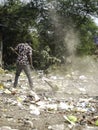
(18, 71)
(28, 74)
(27, 71)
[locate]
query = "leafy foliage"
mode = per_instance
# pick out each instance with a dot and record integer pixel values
(87, 33)
(53, 24)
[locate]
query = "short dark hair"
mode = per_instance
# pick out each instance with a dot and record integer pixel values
(29, 42)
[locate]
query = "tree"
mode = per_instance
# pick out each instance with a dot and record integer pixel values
(87, 34)
(56, 24)
(18, 17)
(62, 18)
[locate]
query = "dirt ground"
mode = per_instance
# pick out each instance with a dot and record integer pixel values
(61, 96)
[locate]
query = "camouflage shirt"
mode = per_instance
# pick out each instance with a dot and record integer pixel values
(23, 50)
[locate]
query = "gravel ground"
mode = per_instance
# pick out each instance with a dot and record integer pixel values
(73, 93)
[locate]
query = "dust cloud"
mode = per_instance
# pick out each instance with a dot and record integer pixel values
(66, 32)
(65, 29)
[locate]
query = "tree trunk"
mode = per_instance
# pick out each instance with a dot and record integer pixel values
(1, 51)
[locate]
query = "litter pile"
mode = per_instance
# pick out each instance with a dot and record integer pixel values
(23, 109)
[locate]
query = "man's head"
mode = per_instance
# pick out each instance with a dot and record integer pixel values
(29, 42)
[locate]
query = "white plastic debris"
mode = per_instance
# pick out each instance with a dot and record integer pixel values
(5, 128)
(35, 95)
(13, 89)
(9, 75)
(56, 127)
(20, 106)
(24, 87)
(82, 77)
(53, 77)
(1, 91)
(7, 91)
(82, 89)
(21, 98)
(79, 109)
(34, 110)
(51, 107)
(68, 76)
(7, 84)
(85, 99)
(40, 103)
(90, 128)
(63, 105)
(66, 118)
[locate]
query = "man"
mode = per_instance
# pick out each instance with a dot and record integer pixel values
(24, 61)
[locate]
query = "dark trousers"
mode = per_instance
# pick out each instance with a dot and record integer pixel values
(26, 69)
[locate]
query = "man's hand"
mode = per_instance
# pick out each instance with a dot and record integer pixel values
(12, 48)
(14, 51)
(32, 67)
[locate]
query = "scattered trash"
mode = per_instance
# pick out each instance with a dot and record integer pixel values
(43, 104)
(72, 118)
(2, 71)
(37, 98)
(96, 122)
(7, 128)
(90, 128)
(34, 110)
(65, 106)
(56, 127)
(82, 77)
(82, 89)
(70, 121)
(9, 75)
(51, 107)
(1, 86)
(7, 91)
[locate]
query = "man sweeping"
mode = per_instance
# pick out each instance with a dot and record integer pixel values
(24, 61)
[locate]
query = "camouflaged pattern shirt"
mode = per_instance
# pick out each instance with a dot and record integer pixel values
(23, 49)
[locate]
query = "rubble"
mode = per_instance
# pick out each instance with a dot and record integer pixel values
(26, 108)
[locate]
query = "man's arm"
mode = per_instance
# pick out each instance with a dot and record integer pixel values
(14, 51)
(30, 61)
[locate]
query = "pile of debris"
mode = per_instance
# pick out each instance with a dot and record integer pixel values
(25, 107)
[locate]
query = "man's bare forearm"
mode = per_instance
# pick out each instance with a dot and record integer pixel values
(14, 51)
(30, 60)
